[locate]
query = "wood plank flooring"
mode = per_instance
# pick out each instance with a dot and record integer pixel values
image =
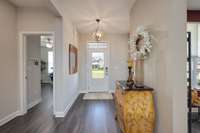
(195, 123)
(84, 117)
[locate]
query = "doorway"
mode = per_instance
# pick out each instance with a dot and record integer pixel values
(98, 67)
(37, 71)
(193, 77)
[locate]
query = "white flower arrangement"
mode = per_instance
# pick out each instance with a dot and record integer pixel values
(141, 45)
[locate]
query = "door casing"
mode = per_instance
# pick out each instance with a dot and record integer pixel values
(23, 72)
(88, 66)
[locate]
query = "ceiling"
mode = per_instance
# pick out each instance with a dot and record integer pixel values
(114, 14)
(36, 4)
(30, 3)
(194, 4)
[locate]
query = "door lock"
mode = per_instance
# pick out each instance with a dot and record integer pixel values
(106, 70)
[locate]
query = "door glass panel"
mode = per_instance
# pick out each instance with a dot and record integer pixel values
(98, 65)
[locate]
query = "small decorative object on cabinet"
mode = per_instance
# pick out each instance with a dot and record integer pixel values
(139, 73)
(134, 108)
(140, 48)
(130, 81)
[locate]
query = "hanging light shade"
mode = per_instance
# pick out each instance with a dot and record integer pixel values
(98, 33)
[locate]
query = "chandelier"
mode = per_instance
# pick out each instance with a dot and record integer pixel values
(98, 33)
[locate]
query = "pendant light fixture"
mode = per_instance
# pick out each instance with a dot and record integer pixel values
(98, 33)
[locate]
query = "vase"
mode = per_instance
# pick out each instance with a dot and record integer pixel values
(139, 72)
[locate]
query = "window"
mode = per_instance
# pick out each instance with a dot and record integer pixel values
(50, 62)
(194, 28)
(97, 65)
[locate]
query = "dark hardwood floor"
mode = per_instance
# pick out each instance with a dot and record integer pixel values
(195, 123)
(84, 117)
(196, 127)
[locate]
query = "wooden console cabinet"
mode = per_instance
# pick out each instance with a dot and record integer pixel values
(134, 108)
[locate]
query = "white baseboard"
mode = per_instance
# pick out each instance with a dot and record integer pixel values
(31, 105)
(86, 91)
(64, 113)
(83, 91)
(9, 117)
(111, 91)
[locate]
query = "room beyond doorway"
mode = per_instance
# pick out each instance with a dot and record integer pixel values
(37, 67)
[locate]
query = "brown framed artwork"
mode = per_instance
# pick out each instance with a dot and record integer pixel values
(193, 15)
(73, 59)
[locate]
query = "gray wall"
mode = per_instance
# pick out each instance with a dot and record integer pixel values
(9, 91)
(41, 20)
(29, 20)
(65, 33)
(35, 19)
(68, 84)
(165, 70)
(33, 70)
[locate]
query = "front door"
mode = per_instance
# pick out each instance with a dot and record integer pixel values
(98, 67)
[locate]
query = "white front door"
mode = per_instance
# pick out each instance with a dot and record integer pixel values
(98, 67)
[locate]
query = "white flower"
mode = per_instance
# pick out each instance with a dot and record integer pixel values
(147, 46)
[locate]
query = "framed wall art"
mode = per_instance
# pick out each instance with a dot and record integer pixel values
(73, 59)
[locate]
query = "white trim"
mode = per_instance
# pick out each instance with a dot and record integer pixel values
(34, 103)
(111, 91)
(83, 91)
(98, 91)
(86, 91)
(22, 67)
(9, 118)
(64, 113)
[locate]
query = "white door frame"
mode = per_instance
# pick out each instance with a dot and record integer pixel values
(88, 65)
(22, 68)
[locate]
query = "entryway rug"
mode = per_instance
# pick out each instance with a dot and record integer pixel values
(98, 96)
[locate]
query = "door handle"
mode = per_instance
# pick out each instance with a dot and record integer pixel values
(106, 70)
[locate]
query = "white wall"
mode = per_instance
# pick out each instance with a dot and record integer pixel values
(195, 38)
(165, 70)
(118, 44)
(35, 19)
(41, 20)
(70, 82)
(9, 91)
(33, 70)
(193, 28)
(69, 87)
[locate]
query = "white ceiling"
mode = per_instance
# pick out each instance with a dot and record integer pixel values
(194, 4)
(30, 3)
(36, 4)
(113, 13)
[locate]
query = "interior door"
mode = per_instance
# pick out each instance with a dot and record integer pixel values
(98, 67)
